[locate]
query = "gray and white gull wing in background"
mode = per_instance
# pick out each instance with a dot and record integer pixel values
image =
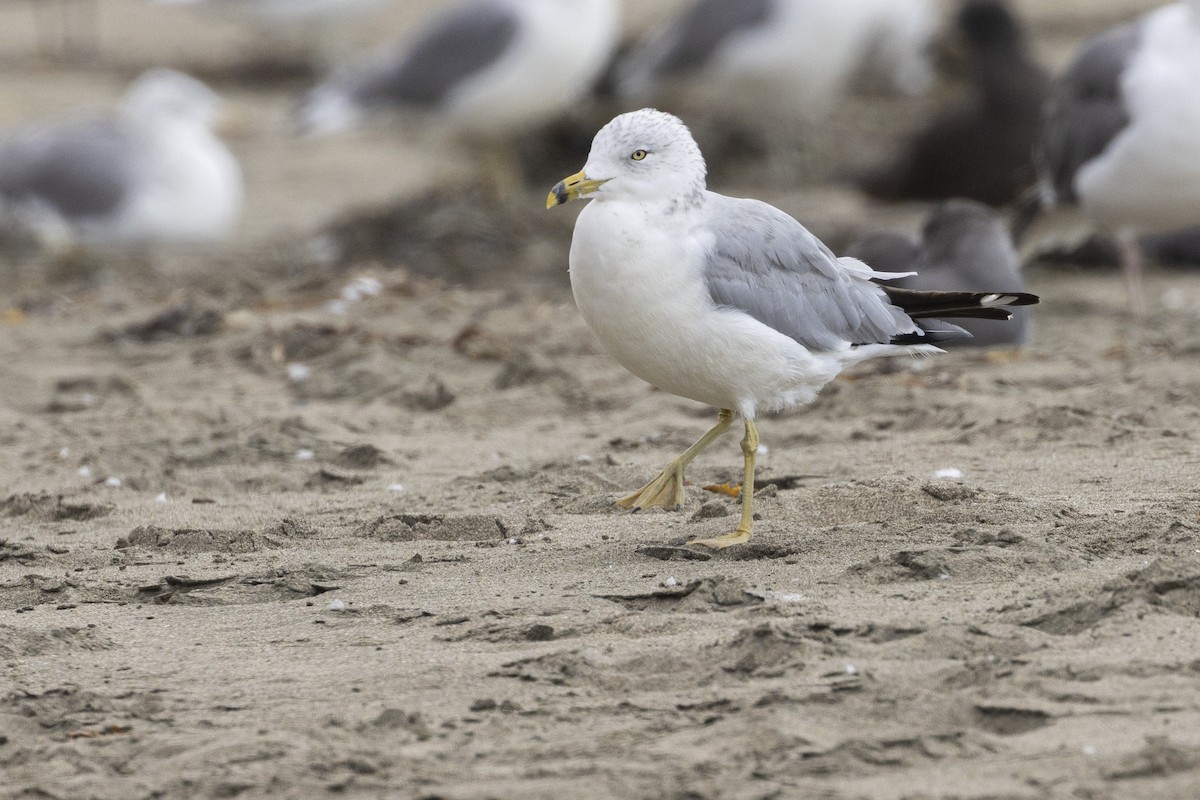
(1121, 139)
(1085, 110)
(485, 69)
(462, 44)
(784, 59)
(79, 170)
(694, 39)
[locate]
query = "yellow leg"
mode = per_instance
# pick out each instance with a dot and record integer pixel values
(666, 491)
(745, 527)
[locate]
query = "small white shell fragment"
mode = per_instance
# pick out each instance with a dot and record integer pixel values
(948, 473)
(778, 597)
(395, 487)
(671, 581)
(360, 287)
(763, 450)
(337, 604)
(851, 669)
(297, 372)
(513, 540)
(304, 454)
(113, 481)
(85, 471)
(1174, 299)
(64, 452)
(324, 250)
(161, 498)
(583, 458)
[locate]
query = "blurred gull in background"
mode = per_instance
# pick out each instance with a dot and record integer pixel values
(778, 57)
(1121, 138)
(964, 247)
(978, 148)
(485, 71)
(153, 173)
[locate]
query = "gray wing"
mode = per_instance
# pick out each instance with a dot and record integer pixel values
(690, 41)
(83, 169)
(767, 265)
(457, 46)
(1085, 111)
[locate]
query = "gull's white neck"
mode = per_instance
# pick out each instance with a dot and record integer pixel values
(665, 206)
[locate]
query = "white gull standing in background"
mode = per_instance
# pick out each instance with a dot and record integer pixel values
(153, 173)
(488, 69)
(779, 57)
(725, 301)
(1121, 140)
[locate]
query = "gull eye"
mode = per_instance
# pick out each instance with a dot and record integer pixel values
(638, 155)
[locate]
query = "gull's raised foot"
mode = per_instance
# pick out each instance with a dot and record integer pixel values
(739, 536)
(665, 491)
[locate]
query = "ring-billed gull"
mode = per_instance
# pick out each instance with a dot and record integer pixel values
(1121, 140)
(155, 172)
(964, 247)
(779, 55)
(978, 147)
(726, 301)
(489, 69)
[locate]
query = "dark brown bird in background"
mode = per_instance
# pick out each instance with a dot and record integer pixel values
(980, 148)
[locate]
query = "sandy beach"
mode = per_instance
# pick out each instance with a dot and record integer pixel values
(298, 518)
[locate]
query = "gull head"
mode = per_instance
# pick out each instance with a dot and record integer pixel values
(645, 156)
(164, 96)
(989, 25)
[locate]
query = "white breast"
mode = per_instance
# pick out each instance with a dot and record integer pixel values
(191, 190)
(639, 286)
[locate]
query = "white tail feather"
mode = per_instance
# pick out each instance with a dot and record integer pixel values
(987, 301)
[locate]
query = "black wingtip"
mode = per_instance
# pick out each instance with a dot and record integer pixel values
(919, 304)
